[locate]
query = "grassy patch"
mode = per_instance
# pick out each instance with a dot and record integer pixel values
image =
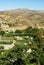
(20, 41)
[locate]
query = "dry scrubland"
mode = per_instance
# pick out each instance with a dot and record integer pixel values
(21, 19)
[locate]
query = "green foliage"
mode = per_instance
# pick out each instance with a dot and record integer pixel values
(1, 47)
(19, 52)
(2, 32)
(18, 32)
(3, 42)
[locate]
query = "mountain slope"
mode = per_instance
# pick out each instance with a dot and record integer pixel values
(22, 17)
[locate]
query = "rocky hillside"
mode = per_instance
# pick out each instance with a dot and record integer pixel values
(21, 18)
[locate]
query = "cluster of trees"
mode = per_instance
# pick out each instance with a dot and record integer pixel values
(2, 32)
(18, 55)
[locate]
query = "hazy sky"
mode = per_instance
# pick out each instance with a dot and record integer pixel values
(14, 4)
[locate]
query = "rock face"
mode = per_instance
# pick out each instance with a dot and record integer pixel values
(22, 18)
